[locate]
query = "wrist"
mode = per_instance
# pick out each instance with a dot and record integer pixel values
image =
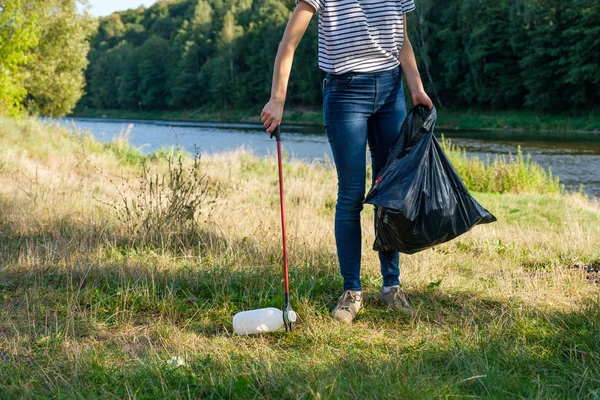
(278, 99)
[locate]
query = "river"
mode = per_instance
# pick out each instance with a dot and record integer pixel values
(575, 158)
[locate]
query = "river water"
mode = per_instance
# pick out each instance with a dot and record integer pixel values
(575, 158)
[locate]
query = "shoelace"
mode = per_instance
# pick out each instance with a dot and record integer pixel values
(398, 296)
(347, 299)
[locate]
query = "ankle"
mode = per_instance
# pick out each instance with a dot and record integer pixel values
(386, 289)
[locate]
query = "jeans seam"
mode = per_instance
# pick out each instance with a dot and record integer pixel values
(375, 95)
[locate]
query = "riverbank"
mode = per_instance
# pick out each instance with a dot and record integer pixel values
(447, 120)
(104, 294)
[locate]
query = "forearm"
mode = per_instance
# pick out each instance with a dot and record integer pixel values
(282, 70)
(272, 112)
(409, 67)
(294, 31)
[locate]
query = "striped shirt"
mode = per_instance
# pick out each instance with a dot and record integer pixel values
(360, 35)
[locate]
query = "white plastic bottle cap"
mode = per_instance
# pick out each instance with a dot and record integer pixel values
(291, 316)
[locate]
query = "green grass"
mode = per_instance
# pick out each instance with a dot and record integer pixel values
(466, 120)
(515, 173)
(90, 309)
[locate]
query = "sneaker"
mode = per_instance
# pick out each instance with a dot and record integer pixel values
(396, 298)
(347, 307)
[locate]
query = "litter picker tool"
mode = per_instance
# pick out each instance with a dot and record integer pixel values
(271, 319)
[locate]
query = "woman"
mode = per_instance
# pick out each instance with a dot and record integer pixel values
(364, 49)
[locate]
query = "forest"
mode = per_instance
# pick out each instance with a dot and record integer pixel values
(206, 55)
(218, 54)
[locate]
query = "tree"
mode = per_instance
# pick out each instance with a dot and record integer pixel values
(129, 78)
(421, 26)
(261, 41)
(542, 70)
(18, 34)
(55, 73)
(227, 40)
(214, 77)
(583, 60)
(153, 73)
(493, 77)
(43, 54)
(104, 76)
(193, 51)
(449, 58)
(191, 48)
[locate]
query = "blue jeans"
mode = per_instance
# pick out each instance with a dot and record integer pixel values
(361, 109)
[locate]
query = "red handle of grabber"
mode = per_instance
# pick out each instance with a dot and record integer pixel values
(287, 308)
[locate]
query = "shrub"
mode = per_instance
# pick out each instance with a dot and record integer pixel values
(512, 174)
(165, 205)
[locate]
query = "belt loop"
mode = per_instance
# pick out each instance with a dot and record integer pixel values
(323, 84)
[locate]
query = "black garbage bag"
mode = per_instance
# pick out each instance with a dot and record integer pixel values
(421, 199)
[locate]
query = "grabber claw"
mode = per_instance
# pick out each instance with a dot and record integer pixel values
(289, 315)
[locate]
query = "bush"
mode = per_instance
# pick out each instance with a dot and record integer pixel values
(165, 205)
(512, 174)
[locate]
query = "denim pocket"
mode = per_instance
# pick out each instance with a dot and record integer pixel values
(339, 81)
(397, 75)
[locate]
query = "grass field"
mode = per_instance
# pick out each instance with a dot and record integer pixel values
(112, 266)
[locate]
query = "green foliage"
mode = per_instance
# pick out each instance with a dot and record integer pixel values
(564, 53)
(219, 55)
(215, 77)
(55, 79)
(216, 54)
(492, 75)
(508, 54)
(153, 64)
(517, 174)
(18, 34)
(123, 151)
(42, 56)
(129, 78)
(583, 36)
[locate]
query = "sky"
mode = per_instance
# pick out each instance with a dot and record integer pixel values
(102, 8)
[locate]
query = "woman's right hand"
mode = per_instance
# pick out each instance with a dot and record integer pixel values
(271, 114)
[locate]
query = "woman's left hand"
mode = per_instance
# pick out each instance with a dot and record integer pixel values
(421, 98)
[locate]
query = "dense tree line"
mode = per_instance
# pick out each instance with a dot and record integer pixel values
(491, 54)
(43, 55)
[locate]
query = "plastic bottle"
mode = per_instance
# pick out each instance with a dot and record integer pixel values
(260, 321)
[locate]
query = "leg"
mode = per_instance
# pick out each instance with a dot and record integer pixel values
(384, 127)
(348, 141)
(346, 110)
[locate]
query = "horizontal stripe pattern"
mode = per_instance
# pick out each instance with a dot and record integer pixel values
(360, 35)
